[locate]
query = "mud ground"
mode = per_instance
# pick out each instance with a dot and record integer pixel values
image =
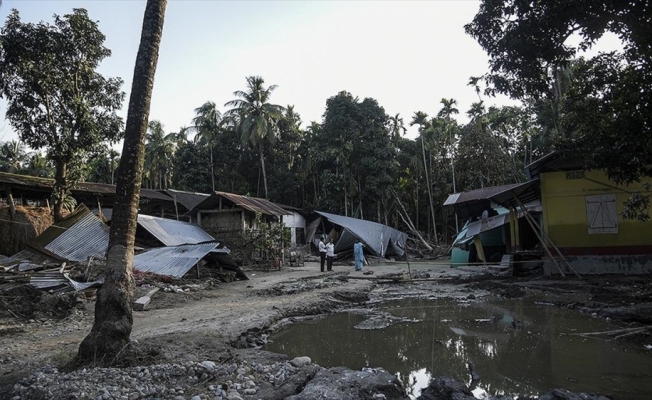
(231, 320)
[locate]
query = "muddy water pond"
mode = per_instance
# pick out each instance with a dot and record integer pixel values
(518, 347)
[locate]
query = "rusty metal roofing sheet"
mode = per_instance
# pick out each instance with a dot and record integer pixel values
(81, 187)
(477, 194)
(173, 233)
(173, 261)
(253, 204)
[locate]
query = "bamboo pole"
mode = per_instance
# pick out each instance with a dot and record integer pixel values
(532, 222)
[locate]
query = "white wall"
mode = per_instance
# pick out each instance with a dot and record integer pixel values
(293, 222)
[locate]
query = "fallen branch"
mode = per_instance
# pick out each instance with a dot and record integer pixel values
(406, 219)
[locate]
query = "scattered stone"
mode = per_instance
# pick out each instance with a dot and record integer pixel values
(343, 383)
(300, 361)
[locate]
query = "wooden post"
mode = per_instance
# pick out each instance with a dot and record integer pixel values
(12, 205)
(513, 219)
(176, 210)
(99, 208)
(535, 226)
(478, 247)
(517, 232)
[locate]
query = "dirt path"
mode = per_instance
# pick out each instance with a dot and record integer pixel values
(222, 314)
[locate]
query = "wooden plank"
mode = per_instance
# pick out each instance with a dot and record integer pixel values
(142, 303)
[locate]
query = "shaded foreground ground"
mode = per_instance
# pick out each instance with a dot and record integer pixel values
(226, 323)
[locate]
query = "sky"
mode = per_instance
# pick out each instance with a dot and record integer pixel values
(406, 55)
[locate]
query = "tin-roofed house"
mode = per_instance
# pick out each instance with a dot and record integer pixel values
(582, 215)
(492, 227)
(237, 219)
(579, 230)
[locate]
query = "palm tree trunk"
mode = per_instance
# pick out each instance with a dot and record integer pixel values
(360, 198)
(109, 336)
(432, 207)
(61, 189)
(262, 166)
(212, 168)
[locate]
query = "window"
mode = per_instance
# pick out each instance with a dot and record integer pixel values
(601, 215)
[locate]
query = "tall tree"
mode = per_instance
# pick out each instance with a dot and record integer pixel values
(610, 95)
(257, 118)
(56, 99)
(12, 156)
(396, 128)
(420, 118)
(113, 313)
(206, 125)
(159, 153)
(447, 112)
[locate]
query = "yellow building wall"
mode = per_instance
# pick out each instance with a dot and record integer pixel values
(564, 211)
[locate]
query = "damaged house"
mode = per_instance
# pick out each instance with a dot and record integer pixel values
(380, 240)
(82, 237)
(569, 217)
(233, 217)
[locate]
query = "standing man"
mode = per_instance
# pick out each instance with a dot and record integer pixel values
(358, 254)
(322, 252)
(330, 254)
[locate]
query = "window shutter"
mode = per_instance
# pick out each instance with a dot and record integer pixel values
(601, 213)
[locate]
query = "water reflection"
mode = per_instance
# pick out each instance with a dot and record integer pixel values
(517, 347)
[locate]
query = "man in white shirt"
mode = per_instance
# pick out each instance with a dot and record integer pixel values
(322, 253)
(330, 254)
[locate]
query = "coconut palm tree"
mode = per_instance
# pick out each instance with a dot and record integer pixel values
(110, 335)
(206, 125)
(159, 151)
(257, 118)
(12, 156)
(39, 165)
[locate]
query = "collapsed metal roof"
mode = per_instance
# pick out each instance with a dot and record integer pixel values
(76, 238)
(174, 261)
(377, 238)
(228, 200)
(478, 227)
(172, 232)
(473, 202)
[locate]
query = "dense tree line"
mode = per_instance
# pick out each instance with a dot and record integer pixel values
(357, 161)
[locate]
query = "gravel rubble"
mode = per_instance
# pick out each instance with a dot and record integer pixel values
(206, 380)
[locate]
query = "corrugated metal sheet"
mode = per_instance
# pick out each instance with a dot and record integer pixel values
(59, 281)
(376, 237)
(478, 227)
(173, 233)
(26, 257)
(477, 194)
(172, 261)
(253, 204)
(49, 281)
(88, 237)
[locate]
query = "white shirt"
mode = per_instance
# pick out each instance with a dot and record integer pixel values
(330, 250)
(322, 247)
